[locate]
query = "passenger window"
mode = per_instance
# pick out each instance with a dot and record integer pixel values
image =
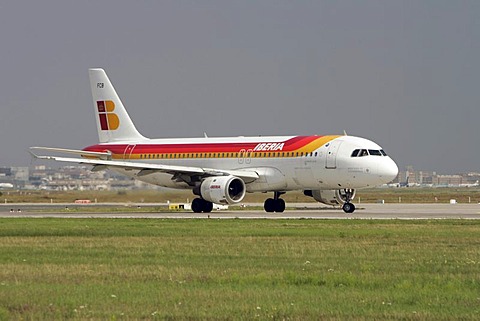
(355, 153)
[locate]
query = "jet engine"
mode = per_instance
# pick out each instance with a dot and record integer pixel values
(331, 197)
(223, 189)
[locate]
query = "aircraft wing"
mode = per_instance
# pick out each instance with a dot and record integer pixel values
(144, 168)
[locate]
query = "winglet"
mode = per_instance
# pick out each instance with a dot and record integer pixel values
(83, 153)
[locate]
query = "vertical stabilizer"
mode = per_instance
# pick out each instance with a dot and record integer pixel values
(113, 122)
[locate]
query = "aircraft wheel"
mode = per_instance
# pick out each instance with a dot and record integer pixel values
(269, 205)
(198, 205)
(348, 208)
(208, 206)
(279, 205)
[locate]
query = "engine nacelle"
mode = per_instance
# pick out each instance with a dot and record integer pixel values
(331, 197)
(223, 189)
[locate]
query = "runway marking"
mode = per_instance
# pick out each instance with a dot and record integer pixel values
(367, 211)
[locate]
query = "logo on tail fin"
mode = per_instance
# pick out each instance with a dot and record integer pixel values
(108, 119)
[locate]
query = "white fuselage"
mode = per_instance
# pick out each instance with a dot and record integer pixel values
(329, 165)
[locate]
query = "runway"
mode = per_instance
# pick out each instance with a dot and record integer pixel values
(294, 211)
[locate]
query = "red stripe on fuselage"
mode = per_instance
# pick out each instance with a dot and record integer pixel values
(289, 145)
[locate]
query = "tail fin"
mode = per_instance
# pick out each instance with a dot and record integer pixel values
(113, 122)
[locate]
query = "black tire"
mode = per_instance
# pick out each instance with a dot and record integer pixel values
(352, 209)
(279, 205)
(198, 205)
(207, 206)
(348, 208)
(269, 205)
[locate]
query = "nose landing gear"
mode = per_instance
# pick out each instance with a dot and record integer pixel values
(348, 208)
(347, 195)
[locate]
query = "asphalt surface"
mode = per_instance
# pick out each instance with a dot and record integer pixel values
(293, 211)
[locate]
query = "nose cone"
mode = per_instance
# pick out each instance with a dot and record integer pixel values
(387, 170)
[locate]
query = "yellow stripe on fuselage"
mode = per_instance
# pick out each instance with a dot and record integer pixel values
(317, 143)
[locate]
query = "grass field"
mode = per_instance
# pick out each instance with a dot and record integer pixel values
(115, 269)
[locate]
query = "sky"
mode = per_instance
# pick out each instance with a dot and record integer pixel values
(404, 74)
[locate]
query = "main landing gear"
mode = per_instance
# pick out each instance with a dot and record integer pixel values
(200, 205)
(275, 204)
(347, 206)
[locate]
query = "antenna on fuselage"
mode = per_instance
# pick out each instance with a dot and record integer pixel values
(345, 133)
(205, 134)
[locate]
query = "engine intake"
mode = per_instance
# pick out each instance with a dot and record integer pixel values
(223, 189)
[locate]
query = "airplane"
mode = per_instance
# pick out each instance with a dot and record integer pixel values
(476, 184)
(6, 185)
(221, 170)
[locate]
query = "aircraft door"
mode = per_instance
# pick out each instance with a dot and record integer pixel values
(331, 157)
(128, 151)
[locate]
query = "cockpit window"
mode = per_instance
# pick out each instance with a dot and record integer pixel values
(363, 152)
(374, 152)
(366, 152)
